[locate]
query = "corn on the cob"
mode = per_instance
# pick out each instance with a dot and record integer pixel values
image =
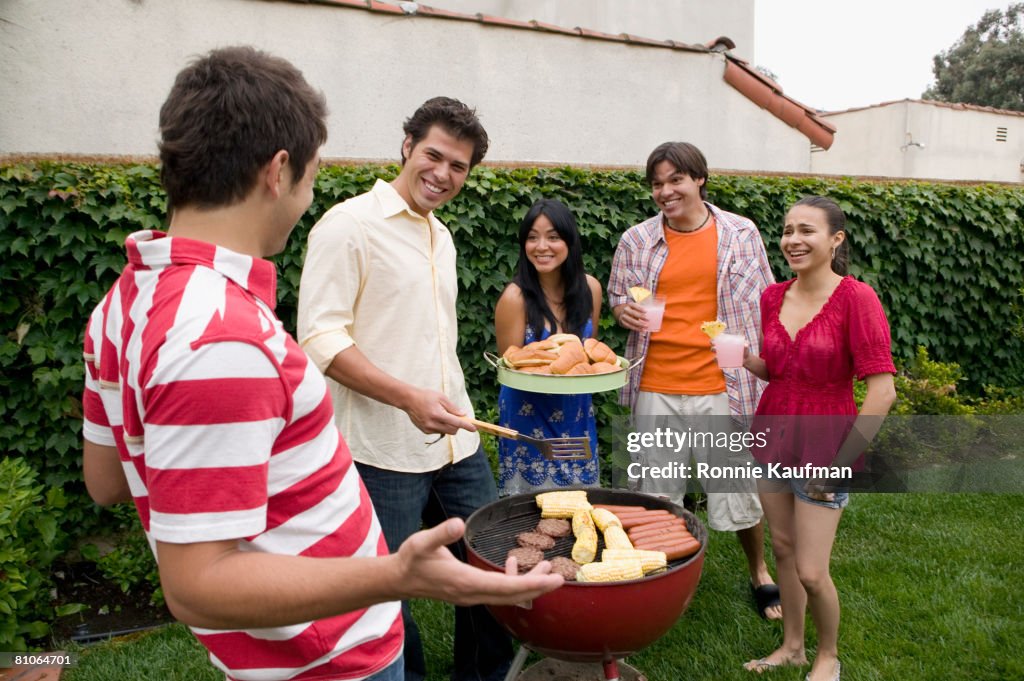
(651, 561)
(561, 496)
(613, 571)
(585, 548)
(554, 508)
(582, 519)
(615, 538)
(604, 518)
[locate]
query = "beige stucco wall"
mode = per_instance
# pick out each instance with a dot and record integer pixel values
(686, 21)
(88, 78)
(958, 144)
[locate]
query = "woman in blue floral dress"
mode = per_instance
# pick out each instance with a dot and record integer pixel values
(549, 294)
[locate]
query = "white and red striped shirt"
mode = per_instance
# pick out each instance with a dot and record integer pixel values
(226, 431)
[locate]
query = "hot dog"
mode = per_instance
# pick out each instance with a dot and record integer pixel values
(640, 529)
(675, 528)
(621, 509)
(679, 549)
(651, 541)
(634, 519)
(645, 512)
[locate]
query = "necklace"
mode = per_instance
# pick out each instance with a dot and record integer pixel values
(686, 231)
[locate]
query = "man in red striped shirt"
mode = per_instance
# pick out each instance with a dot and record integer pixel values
(204, 410)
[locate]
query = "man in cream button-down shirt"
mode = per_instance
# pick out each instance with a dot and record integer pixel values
(379, 280)
(377, 314)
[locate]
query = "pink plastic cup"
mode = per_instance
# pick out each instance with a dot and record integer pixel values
(729, 350)
(655, 310)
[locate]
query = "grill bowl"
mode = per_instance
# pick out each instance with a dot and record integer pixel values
(589, 622)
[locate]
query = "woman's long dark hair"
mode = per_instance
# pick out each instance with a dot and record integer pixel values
(836, 219)
(576, 296)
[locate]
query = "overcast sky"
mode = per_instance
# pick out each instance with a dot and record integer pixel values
(839, 54)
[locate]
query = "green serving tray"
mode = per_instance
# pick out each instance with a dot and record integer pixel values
(561, 385)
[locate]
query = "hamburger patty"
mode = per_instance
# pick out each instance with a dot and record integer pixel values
(535, 540)
(554, 527)
(565, 567)
(526, 557)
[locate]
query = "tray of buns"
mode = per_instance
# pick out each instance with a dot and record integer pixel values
(562, 364)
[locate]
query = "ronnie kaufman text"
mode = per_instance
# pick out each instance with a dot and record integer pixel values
(774, 471)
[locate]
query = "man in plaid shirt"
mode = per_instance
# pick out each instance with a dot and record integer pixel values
(707, 264)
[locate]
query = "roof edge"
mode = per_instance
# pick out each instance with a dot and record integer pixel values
(421, 10)
(768, 95)
(958, 106)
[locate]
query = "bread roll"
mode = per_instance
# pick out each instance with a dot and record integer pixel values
(546, 344)
(604, 367)
(598, 351)
(569, 355)
(580, 369)
(563, 338)
(526, 357)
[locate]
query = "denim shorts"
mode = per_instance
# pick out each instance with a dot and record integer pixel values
(841, 494)
(797, 485)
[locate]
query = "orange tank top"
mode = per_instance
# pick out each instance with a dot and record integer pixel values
(679, 359)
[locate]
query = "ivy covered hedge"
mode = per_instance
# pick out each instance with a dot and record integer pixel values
(945, 259)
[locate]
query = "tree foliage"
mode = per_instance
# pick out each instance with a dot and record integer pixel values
(985, 66)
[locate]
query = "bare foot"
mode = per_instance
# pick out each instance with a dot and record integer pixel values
(824, 669)
(780, 657)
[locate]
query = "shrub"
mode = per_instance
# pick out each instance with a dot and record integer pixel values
(130, 564)
(929, 388)
(30, 539)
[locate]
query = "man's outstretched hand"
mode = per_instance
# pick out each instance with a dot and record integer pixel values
(429, 570)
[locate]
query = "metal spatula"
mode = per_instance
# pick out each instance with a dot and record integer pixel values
(556, 448)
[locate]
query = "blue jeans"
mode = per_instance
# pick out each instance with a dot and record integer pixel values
(405, 502)
(393, 672)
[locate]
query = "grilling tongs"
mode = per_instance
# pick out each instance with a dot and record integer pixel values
(555, 449)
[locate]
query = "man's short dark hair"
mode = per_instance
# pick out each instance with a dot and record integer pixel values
(685, 157)
(457, 119)
(226, 116)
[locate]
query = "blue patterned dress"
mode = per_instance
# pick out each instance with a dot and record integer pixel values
(521, 468)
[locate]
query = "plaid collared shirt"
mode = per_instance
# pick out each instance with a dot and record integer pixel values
(743, 273)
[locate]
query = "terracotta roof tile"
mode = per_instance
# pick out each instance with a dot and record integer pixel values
(426, 11)
(767, 94)
(360, 4)
(502, 21)
(590, 33)
(640, 40)
(552, 28)
(375, 6)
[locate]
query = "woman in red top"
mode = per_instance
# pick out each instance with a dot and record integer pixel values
(820, 330)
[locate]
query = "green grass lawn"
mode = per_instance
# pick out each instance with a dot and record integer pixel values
(930, 585)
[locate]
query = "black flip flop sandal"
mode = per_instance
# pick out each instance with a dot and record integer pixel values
(765, 596)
